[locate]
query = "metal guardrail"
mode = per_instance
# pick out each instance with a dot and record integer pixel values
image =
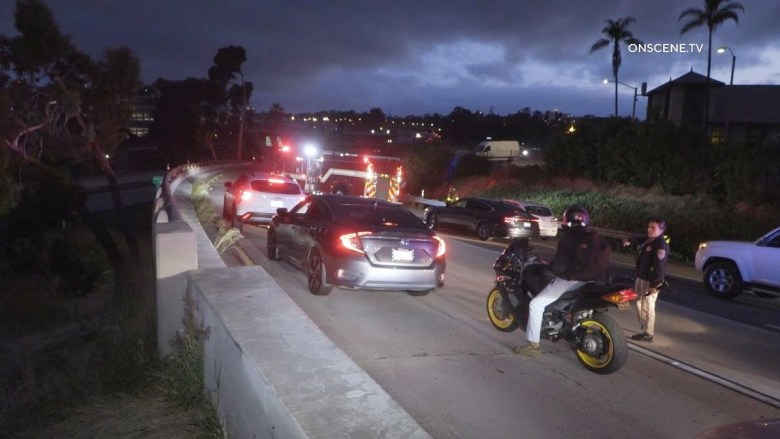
(406, 198)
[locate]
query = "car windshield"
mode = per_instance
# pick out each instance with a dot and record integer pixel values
(276, 187)
(383, 216)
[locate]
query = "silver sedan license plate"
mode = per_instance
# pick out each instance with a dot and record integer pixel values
(402, 255)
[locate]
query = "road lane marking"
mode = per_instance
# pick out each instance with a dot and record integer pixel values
(725, 382)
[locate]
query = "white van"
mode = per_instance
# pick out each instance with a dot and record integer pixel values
(499, 150)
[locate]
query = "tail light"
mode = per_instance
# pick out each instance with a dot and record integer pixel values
(351, 241)
(622, 296)
(245, 195)
(517, 219)
(442, 247)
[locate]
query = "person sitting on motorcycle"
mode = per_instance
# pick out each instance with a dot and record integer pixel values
(573, 265)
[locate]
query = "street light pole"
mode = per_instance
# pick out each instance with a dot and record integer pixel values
(733, 60)
(633, 109)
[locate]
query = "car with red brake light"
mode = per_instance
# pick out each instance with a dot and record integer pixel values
(357, 243)
(549, 225)
(255, 196)
(487, 217)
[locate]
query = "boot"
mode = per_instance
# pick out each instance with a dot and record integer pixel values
(532, 350)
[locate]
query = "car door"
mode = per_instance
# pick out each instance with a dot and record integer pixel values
(474, 213)
(767, 260)
(287, 229)
(452, 215)
(311, 227)
(233, 192)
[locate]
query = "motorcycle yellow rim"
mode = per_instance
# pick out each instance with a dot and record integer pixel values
(593, 362)
(507, 320)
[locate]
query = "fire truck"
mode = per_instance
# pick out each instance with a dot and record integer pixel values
(370, 176)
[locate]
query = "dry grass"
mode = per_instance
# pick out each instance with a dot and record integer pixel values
(127, 416)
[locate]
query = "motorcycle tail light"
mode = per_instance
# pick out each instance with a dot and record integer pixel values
(351, 241)
(442, 247)
(621, 296)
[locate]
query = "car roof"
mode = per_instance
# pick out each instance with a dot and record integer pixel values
(353, 199)
(268, 175)
(524, 202)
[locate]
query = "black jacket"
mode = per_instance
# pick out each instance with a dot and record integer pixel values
(651, 261)
(581, 255)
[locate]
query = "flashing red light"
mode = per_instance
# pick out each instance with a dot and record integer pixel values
(285, 148)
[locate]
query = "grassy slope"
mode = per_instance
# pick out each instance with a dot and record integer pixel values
(87, 366)
(691, 219)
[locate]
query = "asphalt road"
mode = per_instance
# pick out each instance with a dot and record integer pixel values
(440, 358)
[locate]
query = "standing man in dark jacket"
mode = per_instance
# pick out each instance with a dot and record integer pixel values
(650, 272)
(582, 256)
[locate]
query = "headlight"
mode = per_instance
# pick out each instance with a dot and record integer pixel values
(702, 246)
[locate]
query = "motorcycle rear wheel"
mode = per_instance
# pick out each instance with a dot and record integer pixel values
(499, 312)
(602, 347)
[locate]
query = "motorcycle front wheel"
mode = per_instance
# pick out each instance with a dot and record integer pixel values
(601, 347)
(499, 312)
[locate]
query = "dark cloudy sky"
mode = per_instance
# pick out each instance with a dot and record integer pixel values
(418, 56)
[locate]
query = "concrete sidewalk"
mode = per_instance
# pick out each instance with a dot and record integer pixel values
(741, 357)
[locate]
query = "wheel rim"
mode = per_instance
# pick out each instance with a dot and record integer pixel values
(596, 340)
(496, 312)
(720, 280)
(483, 231)
(315, 272)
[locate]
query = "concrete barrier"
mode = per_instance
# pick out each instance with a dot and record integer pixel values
(269, 370)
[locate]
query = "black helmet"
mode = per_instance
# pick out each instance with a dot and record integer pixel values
(576, 215)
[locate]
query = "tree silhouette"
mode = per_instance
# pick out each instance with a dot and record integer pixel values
(617, 32)
(715, 13)
(227, 65)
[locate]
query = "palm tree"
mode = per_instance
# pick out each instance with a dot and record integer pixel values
(715, 13)
(617, 33)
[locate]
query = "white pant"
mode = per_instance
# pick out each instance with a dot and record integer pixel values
(548, 295)
(645, 305)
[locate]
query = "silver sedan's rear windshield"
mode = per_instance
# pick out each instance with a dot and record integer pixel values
(379, 216)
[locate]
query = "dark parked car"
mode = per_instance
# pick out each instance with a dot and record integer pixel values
(486, 217)
(357, 242)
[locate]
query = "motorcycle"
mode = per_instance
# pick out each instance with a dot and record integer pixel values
(578, 317)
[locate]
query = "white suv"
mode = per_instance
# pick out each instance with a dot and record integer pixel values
(255, 196)
(730, 267)
(548, 223)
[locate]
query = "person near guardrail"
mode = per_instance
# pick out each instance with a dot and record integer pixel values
(652, 255)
